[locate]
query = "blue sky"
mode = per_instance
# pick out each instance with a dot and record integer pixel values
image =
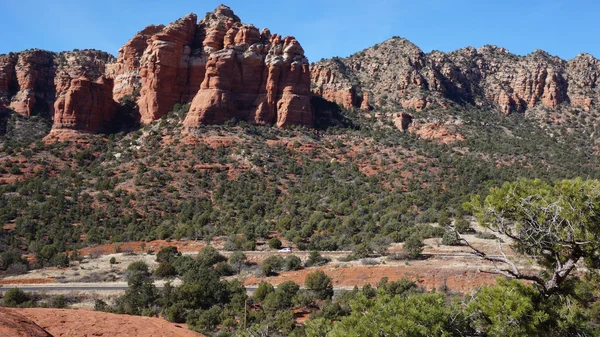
(325, 28)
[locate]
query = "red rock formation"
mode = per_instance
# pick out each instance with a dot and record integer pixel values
(259, 78)
(81, 322)
(125, 71)
(13, 324)
(327, 86)
(8, 79)
(86, 106)
(164, 70)
(30, 80)
(398, 72)
(34, 72)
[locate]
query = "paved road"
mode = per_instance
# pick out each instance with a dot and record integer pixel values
(65, 287)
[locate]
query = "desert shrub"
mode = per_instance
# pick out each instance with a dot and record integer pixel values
(165, 270)
(210, 256)
(369, 262)
(237, 260)
(463, 226)
(275, 243)
(486, 236)
(315, 259)
(167, 254)
(224, 269)
(451, 238)
(292, 262)
(15, 297)
(263, 290)
(319, 283)
(140, 266)
(413, 246)
(272, 265)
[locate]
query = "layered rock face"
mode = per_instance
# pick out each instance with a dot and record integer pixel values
(227, 69)
(86, 106)
(31, 80)
(8, 79)
(126, 70)
(34, 73)
(267, 82)
(165, 68)
(398, 73)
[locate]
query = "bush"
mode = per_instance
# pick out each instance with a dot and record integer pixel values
(263, 290)
(398, 256)
(237, 260)
(486, 236)
(100, 305)
(292, 262)
(138, 266)
(165, 270)
(319, 283)
(209, 256)
(463, 226)
(315, 259)
(413, 246)
(275, 243)
(112, 261)
(167, 254)
(224, 269)
(451, 238)
(15, 297)
(59, 302)
(272, 265)
(369, 262)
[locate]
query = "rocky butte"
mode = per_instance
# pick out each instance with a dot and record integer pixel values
(396, 73)
(224, 68)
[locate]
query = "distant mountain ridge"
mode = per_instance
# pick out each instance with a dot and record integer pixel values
(396, 73)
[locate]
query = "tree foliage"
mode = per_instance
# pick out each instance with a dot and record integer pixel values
(556, 224)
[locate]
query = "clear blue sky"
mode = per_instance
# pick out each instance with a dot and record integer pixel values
(325, 28)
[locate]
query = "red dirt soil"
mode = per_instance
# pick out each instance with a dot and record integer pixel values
(28, 281)
(346, 277)
(136, 247)
(72, 323)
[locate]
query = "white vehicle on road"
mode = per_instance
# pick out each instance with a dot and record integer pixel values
(285, 250)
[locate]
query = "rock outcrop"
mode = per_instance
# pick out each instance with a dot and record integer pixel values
(31, 80)
(8, 79)
(13, 324)
(35, 76)
(86, 106)
(126, 70)
(399, 74)
(227, 69)
(82, 322)
(165, 68)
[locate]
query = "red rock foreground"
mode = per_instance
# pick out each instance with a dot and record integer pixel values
(71, 323)
(13, 324)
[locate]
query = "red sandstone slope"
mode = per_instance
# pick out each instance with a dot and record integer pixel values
(76, 323)
(14, 324)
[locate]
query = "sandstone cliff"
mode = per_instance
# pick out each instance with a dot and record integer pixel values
(227, 68)
(85, 106)
(399, 74)
(31, 80)
(126, 70)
